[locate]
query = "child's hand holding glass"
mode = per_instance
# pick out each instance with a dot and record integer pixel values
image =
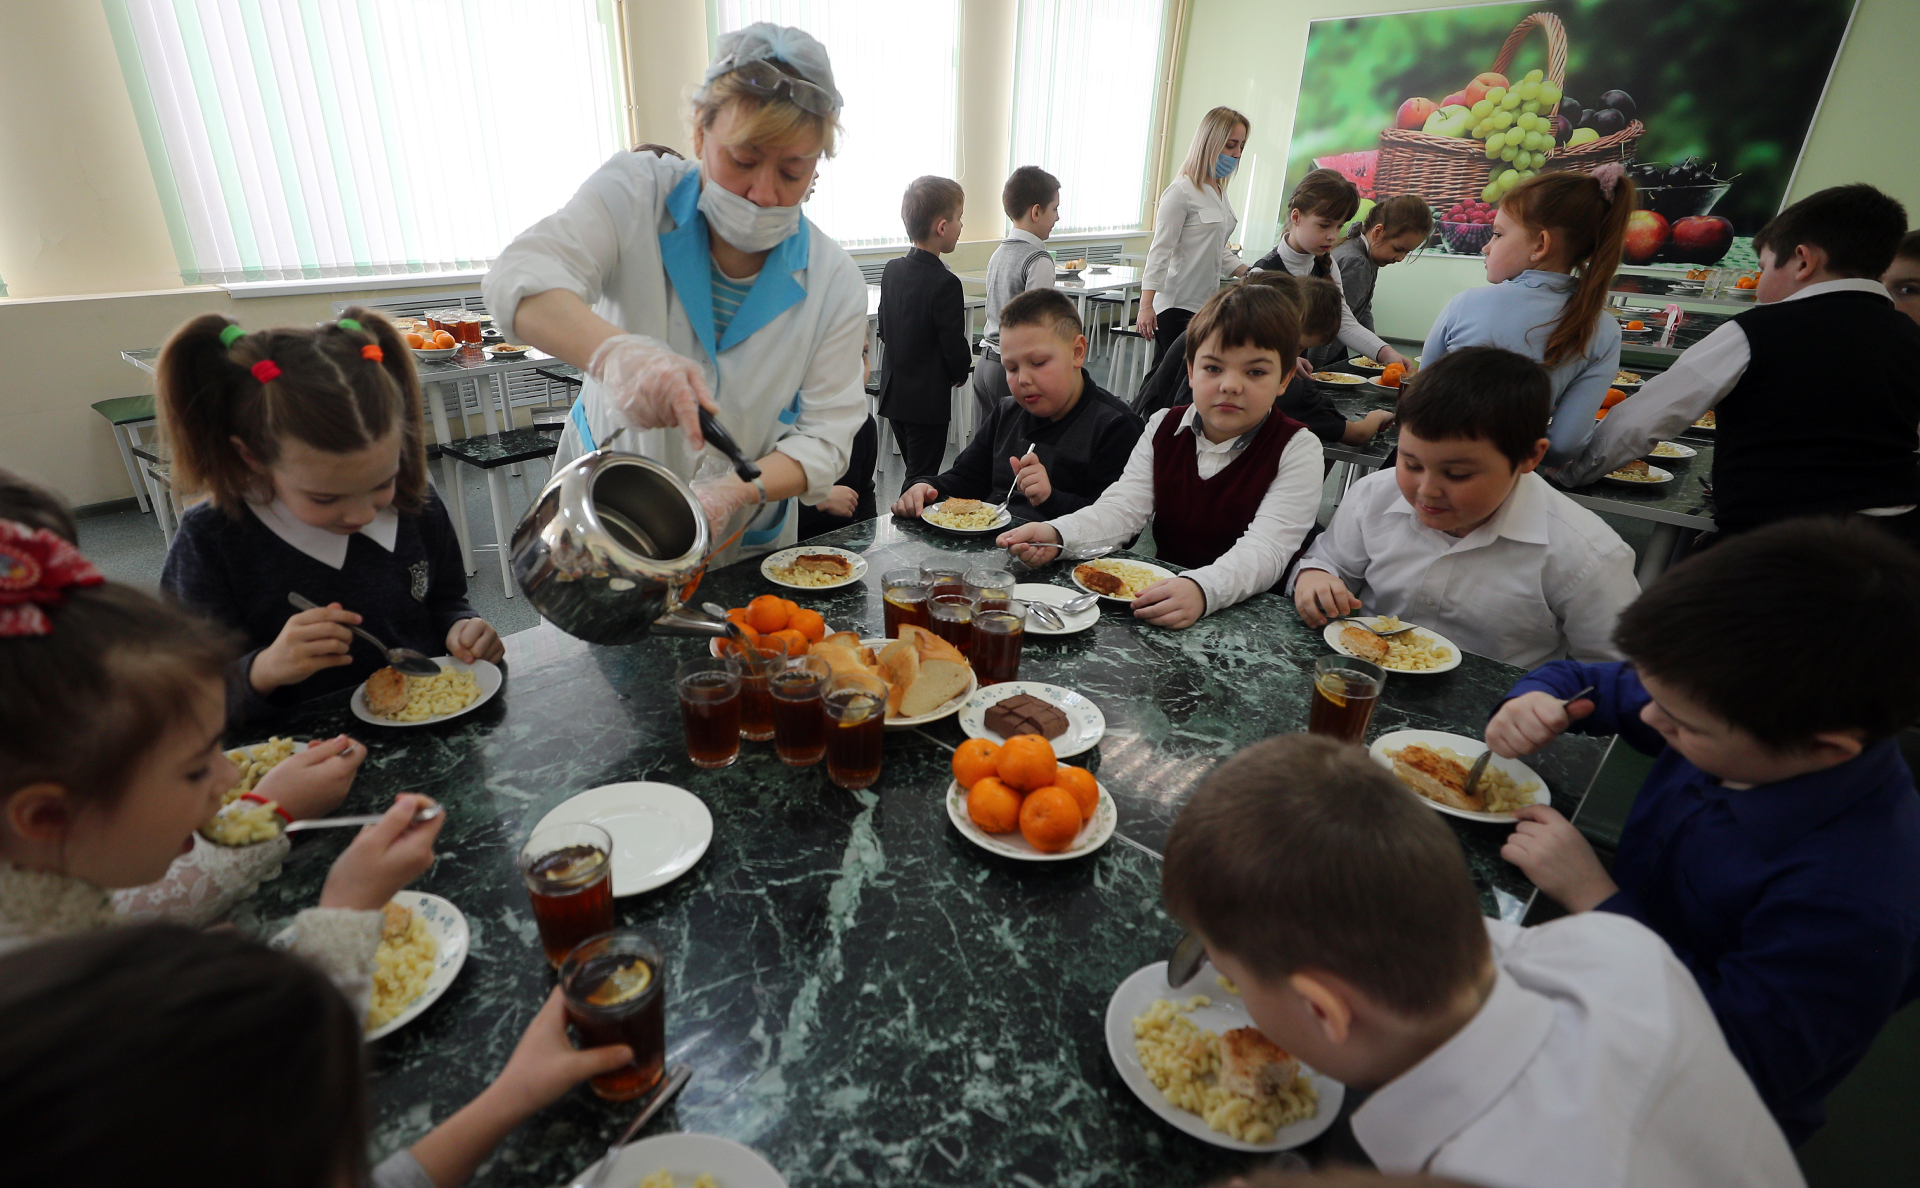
(1321, 596)
(313, 782)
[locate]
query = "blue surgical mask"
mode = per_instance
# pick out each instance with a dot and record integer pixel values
(1224, 165)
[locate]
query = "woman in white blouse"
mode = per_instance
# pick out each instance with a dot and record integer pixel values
(1191, 229)
(679, 285)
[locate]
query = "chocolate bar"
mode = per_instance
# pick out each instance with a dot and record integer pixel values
(1024, 713)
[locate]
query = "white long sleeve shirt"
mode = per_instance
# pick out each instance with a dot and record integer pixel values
(1353, 335)
(1189, 253)
(1257, 560)
(1594, 1063)
(1542, 579)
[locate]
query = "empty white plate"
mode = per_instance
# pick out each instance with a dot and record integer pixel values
(659, 831)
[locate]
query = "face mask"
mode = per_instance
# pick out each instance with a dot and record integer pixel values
(746, 226)
(1223, 166)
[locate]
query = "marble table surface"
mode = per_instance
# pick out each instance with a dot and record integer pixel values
(865, 997)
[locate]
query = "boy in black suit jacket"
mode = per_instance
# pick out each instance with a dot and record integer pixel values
(923, 322)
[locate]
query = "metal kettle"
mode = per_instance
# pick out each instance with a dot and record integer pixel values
(612, 549)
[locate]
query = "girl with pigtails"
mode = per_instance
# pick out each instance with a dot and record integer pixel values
(309, 445)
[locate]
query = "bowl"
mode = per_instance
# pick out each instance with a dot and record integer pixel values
(1679, 202)
(1466, 239)
(435, 354)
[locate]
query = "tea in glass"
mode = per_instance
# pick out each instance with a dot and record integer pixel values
(999, 631)
(952, 616)
(709, 692)
(1345, 690)
(615, 989)
(568, 870)
(943, 575)
(905, 596)
(856, 706)
(757, 664)
(799, 710)
(987, 582)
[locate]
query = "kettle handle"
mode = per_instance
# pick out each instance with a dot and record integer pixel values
(723, 441)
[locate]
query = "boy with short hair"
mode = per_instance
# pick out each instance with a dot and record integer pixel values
(1575, 1054)
(1230, 483)
(923, 321)
(1031, 199)
(1461, 535)
(1776, 843)
(1775, 456)
(1080, 433)
(1318, 211)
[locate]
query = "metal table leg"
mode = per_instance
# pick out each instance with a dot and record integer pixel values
(122, 437)
(450, 491)
(1659, 553)
(502, 526)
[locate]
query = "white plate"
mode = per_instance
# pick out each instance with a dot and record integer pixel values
(686, 1156)
(1160, 574)
(1685, 452)
(449, 929)
(999, 522)
(1376, 365)
(484, 671)
(1660, 478)
(1225, 1013)
(946, 709)
(785, 557)
(504, 352)
(1696, 427)
(1377, 386)
(659, 831)
(1459, 744)
(1331, 633)
(1093, 834)
(1076, 622)
(1346, 381)
(434, 354)
(1086, 725)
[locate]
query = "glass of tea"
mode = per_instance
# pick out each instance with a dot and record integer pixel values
(758, 662)
(616, 992)
(1345, 690)
(856, 706)
(568, 870)
(999, 630)
(906, 600)
(988, 583)
(952, 616)
(709, 690)
(799, 714)
(943, 575)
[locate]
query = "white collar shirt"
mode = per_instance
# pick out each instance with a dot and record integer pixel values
(1189, 254)
(1594, 1063)
(1354, 336)
(328, 548)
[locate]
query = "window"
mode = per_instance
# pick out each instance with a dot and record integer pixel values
(897, 66)
(1085, 76)
(321, 138)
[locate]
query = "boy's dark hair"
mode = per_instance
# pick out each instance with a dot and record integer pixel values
(1316, 300)
(1248, 315)
(1043, 307)
(1483, 392)
(1325, 193)
(36, 507)
(1857, 226)
(202, 1029)
(1725, 625)
(928, 200)
(1027, 187)
(1300, 853)
(1909, 247)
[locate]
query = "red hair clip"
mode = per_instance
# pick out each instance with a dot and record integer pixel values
(372, 351)
(266, 370)
(258, 799)
(36, 568)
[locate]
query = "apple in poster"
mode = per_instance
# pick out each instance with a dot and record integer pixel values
(1701, 239)
(1413, 114)
(1647, 233)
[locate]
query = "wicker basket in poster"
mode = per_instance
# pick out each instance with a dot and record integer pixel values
(1447, 169)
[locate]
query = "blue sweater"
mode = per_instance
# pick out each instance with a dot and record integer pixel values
(238, 572)
(1796, 905)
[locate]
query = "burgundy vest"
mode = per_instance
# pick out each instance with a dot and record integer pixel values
(1195, 519)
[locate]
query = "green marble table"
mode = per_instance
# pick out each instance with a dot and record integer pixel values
(864, 996)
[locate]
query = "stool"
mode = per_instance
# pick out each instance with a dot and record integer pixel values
(490, 452)
(161, 487)
(1127, 366)
(128, 415)
(551, 421)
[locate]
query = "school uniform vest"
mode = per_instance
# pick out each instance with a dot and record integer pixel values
(1195, 520)
(1007, 279)
(1783, 448)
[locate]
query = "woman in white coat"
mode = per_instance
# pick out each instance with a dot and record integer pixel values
(679, 284)
(1191, 229)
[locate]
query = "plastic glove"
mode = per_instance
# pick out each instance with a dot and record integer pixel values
(722, 494)
(651, 386)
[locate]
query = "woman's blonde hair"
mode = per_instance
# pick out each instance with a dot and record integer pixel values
(1208, 141)
(762, 120)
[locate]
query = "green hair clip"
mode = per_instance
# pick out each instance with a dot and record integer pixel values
(231, 334)
(350, 324)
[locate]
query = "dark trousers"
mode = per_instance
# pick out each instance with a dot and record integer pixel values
(921, 449)
(989, 388)
(1167, 326)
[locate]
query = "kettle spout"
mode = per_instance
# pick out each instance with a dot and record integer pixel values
(689, 622)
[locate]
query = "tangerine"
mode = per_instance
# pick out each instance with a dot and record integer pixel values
(442, 340)
(1026, 762)
(795, 643)
(975, 760)
(1613, 397)
(416, 342)
(1049, 819)
(767, 614)
(808, 623)
(994, 807)
(793, 608)
(1079, 782)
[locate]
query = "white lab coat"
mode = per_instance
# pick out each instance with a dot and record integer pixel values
(606, 246)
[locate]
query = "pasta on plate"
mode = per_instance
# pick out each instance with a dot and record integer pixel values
(429, 697)
(1184, 1064)
(401, 966)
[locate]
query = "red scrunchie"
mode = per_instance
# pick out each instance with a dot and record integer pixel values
(266, 370)
(372, 351)
(36, 567)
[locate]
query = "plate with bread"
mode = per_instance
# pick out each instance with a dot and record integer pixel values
(968, 517)
(813, 567)
(1419, 650)
(1118, 580)
(1434, 764)
(927, 678)
(1067, 720)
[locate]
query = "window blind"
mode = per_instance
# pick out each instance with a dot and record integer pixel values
(323, 138)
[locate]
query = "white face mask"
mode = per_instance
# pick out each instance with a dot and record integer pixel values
(741, 223)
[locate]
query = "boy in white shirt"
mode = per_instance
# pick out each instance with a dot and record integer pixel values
(1579, 1054)
(1462, 537)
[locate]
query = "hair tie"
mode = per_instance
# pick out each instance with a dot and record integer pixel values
(231, 334)
(265, 370)
(349, 324)
(372, 351)
(1608, 175)
(36, 568)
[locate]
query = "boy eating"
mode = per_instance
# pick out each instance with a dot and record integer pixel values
(1317, 214)
(1461, 535)
(923, 321)
(1079, 433)
(1574, 1054)
(1776, 843)
(1031, 199)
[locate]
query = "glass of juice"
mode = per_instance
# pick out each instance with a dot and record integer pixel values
(987, 582)
(758, 662)
(568, 870)
(856, 706)
(944, 575)
(999, 630)
(799, 713)
(1345, 690)
(709, 692)
(952, 616)
(616, 988)
(906, 600)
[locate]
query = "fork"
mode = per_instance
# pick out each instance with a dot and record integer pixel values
(1480, 764)
(1005, 503)
(1367, 620)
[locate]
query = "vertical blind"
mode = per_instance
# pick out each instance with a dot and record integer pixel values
(896, 63)
(1085, 76)
(321, 138)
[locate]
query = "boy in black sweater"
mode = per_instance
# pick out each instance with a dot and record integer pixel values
(923, 322)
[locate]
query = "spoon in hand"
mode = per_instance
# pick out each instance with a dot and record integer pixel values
(424, 815)
(405, 659)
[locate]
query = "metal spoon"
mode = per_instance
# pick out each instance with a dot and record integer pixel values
(1188, 952)
(1046, 614)
(405, 659)
(1056, 616)
(676, 1077)
(425, 814)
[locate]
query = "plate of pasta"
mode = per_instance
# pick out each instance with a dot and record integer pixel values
(423, 944)
(688, 1161)
(1177, 1046)
(1418, 651)
(1434, 765)
(388, 698)
(969, 517)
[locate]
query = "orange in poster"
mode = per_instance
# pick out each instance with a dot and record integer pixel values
(993, 806)
(1080, 784)
(767, 613)
(1027, 762)
(975, 760)
(1049, 819)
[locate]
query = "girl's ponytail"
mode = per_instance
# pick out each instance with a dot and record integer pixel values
(1398, 215)
(200, 378)
(370, 327)
(1588, 213)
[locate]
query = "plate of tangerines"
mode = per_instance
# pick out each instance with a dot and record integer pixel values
(776, 620)
(1016, 800)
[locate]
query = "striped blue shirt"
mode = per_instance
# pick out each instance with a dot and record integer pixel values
(727, 296)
